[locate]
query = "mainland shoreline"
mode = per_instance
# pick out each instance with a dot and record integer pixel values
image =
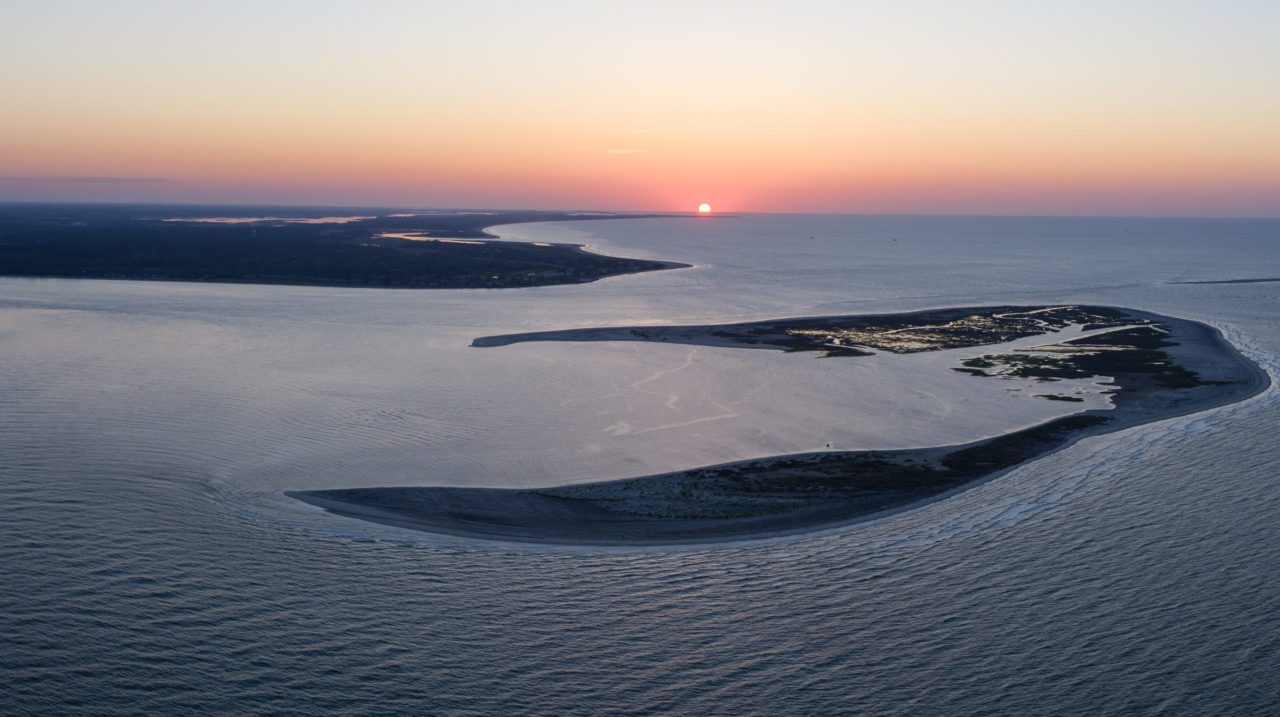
(300, 247)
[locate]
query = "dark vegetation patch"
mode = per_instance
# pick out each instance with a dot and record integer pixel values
(826, 480)
(1139, 351)
(1011, 449)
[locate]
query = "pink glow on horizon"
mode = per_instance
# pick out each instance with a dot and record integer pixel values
(914, 107)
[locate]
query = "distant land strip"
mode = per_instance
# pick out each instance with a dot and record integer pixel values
(396, 249)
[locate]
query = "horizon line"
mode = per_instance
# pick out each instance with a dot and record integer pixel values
(678, 212)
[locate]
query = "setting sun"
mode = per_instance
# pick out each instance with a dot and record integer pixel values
(704, 208)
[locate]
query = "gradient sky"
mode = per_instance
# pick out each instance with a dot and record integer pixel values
(990, 106)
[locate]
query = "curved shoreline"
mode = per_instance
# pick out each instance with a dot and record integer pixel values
(587, 514)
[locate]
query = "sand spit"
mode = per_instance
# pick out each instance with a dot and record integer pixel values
(1162, 368)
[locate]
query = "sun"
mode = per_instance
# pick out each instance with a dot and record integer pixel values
(704, 208)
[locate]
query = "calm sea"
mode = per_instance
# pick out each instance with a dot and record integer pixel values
(151, 564)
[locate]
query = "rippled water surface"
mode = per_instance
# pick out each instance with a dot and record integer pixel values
(152, 565)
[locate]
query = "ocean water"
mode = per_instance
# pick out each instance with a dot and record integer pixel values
(152, 565)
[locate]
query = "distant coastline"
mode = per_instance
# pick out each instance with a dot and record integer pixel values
(1162, 368)
(299, 247)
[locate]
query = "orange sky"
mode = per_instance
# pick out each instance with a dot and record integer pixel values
(996, 107)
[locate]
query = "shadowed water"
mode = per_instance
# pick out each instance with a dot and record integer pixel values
(147, 429)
